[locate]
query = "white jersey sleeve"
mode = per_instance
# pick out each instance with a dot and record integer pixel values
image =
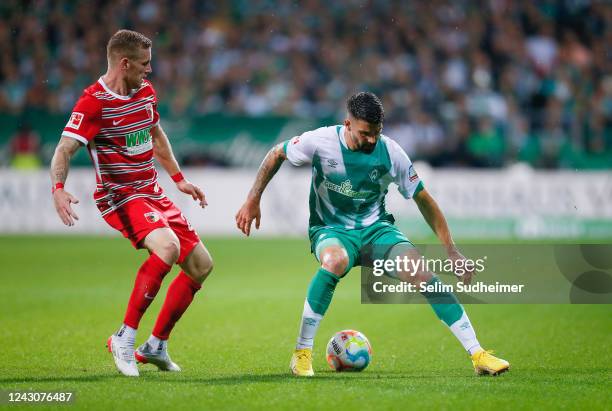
(301, 149)
(402, 171)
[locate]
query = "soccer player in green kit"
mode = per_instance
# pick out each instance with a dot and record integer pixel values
(352, 167)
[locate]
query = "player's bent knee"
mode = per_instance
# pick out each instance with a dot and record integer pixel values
(416, 278)
(201, 271)
(198, 265)
(335, 263)
(205, 268)
(423, 277)
(169, 251)
(164, 243)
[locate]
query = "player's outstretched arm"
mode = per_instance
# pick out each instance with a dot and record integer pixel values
(250, 209)
(60, 163)
(433, 215)
(163, 153)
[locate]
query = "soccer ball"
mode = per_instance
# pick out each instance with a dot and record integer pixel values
(349, 350)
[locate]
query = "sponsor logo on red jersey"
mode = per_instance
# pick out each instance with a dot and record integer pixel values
(138, 142)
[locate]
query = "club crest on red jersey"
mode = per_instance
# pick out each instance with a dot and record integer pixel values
(152, 217)
(75, 120)
(149, 108)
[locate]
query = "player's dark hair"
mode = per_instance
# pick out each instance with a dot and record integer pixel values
(127, 43)
(366, 106)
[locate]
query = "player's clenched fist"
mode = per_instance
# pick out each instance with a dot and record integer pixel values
(62, 200)
(244, 218)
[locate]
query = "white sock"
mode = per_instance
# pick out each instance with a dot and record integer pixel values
(309, 326)
(126, 332)
(154, 341)
(463, 330)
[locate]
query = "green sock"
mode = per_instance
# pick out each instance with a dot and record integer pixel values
(321, 290)
(445, 304)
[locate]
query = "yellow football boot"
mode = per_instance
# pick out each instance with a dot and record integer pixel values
(301, 362)
(486, 363)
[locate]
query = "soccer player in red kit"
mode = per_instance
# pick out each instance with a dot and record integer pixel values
(117, 119)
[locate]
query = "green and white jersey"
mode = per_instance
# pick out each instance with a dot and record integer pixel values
(348, 187)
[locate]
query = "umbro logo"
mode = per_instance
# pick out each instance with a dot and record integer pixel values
(117, 122)
(332, 163)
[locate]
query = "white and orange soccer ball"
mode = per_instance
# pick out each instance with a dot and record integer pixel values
(349, 350)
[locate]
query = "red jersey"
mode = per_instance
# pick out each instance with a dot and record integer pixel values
(116, 130)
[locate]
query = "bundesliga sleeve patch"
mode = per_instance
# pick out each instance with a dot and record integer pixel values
(412, 175)
(75, 120)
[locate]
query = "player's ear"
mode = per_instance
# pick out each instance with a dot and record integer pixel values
(124, 63)
(347, 123)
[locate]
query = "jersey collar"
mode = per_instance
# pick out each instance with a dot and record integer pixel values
(341, 136)
(112, 93)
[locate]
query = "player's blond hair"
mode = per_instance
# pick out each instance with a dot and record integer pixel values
(126, 43)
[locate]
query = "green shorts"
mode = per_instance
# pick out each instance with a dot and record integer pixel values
(377, 239)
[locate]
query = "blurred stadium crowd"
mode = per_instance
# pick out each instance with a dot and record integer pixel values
(474, 83)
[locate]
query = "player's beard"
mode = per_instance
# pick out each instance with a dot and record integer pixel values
(363, 147)
(367, 148)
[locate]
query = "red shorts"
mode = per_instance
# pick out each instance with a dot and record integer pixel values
(138, 217)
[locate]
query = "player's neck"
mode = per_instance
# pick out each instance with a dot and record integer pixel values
(115, 83)
(348, 139)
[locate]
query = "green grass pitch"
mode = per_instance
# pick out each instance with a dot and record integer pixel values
(61, 297)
